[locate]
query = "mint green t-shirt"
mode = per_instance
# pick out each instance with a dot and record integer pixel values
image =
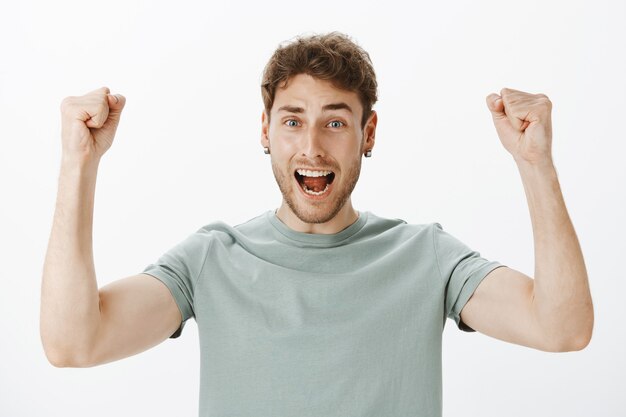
(297, 324)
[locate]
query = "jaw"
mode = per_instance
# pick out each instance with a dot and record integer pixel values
(316, 214)
(303, 211)
(320, 217)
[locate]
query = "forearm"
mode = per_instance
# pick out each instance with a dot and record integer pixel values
(562, 298)
(70, 311)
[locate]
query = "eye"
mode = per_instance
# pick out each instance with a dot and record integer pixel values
(291, 120)
(336, 121)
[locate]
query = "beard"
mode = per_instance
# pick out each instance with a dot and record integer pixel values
(317, 211)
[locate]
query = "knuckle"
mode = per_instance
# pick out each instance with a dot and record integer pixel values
(103, 102)
(66, 103)
(543, 98)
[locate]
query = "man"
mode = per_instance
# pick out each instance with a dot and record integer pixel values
(314, 309)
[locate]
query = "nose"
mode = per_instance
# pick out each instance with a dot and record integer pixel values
(312, 144)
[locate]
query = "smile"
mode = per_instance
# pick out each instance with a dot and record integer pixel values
(314, 183)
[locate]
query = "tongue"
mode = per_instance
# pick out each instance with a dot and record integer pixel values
(315, 184)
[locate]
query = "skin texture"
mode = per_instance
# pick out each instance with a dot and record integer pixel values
(82, 325)
(553, 311)
(316, 139)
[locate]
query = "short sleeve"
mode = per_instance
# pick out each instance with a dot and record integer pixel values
(462, 269)
(179, 269)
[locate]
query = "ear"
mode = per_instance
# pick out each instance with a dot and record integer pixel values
(265, 127)
(369, 132)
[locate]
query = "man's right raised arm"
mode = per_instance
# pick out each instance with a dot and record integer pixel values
(81, 325)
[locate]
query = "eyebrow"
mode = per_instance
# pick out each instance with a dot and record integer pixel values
(332, 106)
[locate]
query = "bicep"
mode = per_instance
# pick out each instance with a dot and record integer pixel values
(501, 307)
(137, 313)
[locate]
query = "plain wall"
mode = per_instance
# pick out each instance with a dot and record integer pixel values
(187, 153)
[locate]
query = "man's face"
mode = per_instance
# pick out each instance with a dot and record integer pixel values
(316, 145)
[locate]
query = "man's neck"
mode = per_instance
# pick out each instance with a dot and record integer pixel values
(344, 218)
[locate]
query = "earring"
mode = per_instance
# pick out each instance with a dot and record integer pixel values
(368, 153)
(266, 150)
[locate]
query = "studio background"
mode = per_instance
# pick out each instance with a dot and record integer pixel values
(187, 153)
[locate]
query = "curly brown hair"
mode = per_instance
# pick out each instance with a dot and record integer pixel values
(332, 56)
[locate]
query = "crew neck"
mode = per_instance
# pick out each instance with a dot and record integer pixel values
(286, 234)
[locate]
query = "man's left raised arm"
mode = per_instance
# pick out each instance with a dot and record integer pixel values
(561, 296)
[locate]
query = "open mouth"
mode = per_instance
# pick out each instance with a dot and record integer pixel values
(314, 182)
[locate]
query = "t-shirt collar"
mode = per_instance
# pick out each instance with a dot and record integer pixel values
(288, 235)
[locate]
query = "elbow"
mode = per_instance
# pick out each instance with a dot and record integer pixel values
(57, 360)
(54, 356)
(64, 355)
(566, 346)
(575, 343)
(581, 343)
(53, 353)
(62, 359)
(582, 339)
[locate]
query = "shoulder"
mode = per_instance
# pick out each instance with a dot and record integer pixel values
(398, 227)
(255, 229)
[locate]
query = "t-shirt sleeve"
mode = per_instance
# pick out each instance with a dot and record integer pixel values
(179, 269)
(462, 269)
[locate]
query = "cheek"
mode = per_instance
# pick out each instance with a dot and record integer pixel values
(281, 152)
(344, 151)
(284, 144)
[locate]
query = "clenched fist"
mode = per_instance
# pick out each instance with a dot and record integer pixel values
(524, 124)
(89, 123)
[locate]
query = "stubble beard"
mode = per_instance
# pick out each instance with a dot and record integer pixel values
(317, 211)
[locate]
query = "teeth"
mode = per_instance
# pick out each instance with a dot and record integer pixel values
(306, 190)
(307, 173)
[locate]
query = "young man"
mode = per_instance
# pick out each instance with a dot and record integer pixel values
(314, 308)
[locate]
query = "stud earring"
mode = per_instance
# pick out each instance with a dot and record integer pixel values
(368, 153)
(266, 150)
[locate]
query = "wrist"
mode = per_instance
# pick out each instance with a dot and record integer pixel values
(543, 166)
(79, 162)
(538, 176)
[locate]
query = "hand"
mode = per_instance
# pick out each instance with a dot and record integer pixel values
(524, 125)
(89, 123)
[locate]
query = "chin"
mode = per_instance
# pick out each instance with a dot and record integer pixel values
(310, 214)
(316, 209)
(311, 210)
